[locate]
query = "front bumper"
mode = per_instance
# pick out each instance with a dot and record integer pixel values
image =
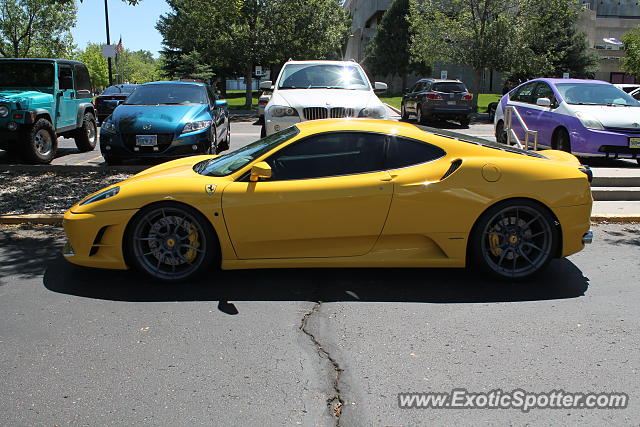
(123, 146)
(95, 239)
(603, 142)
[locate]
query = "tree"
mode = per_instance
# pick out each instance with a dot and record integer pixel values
(388, 52)
(631, 62)
(477, 33)
(96, 64)
(550, 42)
(31, 28)
(237, 35)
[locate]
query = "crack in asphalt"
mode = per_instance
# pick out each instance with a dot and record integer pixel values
(334, 402)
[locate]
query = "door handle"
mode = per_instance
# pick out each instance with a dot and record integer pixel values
(389, 178)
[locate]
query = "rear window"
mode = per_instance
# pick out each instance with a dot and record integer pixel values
(119, 90)
(449, 87)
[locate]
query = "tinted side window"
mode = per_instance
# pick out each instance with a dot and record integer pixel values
(330, 154)
(65, 77)
(83, 83)
(523, 93)
(543, 90)
(404, 152)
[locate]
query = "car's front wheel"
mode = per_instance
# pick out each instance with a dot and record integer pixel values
(514, 239)
(501, 135)
(171, 242)
(464, 121)
(562, 141)
(41, 142)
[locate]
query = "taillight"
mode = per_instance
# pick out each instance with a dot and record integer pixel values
(433, 96)
(263, 102)
(467, 97)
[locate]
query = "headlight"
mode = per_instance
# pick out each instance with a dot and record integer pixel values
(4, 111)
(376, 112)
(589, 121)
(107, 194)
(282, 110)
(109, 126)
(196, 126)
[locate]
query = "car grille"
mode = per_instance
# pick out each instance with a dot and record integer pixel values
(624, 130)
(164, 141)
(316, 113)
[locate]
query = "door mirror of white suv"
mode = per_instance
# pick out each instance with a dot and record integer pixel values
(543, 102)
(379, 86)
(266, 85)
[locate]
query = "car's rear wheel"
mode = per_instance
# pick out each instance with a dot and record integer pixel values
(171, 242)
(420, 115)
(561, 140)
(86, 136)
(514, 239)
(41, 142)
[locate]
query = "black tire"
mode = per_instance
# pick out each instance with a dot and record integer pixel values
(420, 115)
(112, 161)
(638, 160)
(213, 145)
(562, 141)
(86, 136)
(227, 141)
(403, 113)
(40, 142)
(501, 135)
(263, 131)
(171, 242)
(514, 239)
(465, 121)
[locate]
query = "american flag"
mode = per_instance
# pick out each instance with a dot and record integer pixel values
(119, 46)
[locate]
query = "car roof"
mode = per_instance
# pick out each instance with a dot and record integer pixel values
(433, 79)
(557, 80)
(51, 60)
(322, 61)
(175, 82)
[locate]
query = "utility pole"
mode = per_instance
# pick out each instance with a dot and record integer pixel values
(106, 15)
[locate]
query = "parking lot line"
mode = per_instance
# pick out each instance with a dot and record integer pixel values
(88, 160)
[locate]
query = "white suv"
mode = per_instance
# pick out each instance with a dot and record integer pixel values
(310, 90)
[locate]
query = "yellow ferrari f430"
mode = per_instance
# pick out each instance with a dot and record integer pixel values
(341, 193)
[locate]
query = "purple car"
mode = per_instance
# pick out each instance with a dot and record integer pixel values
(583, 117)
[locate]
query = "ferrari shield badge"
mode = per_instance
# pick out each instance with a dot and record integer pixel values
(210, 188)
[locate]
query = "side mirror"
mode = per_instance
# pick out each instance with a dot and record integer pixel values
(543, 102)
(266, 85)
(260, 170)
(221, 103)
(379, 87)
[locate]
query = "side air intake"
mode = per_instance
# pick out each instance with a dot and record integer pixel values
(454, 167)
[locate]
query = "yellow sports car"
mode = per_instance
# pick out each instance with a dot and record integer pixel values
(341, 193)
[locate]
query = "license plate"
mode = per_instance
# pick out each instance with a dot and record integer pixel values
(146, 140)
(634, 142)
(451, 102)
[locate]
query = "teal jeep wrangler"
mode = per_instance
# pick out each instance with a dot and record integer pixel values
(41, 100)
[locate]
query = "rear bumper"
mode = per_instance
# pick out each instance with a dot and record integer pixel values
(443, 110)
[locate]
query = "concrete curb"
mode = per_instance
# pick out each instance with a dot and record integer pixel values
(393, 108)
(57, 218)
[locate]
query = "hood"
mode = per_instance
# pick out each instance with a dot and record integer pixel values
(325, 98)
(155, 118)
(25, 97)
(616, 117)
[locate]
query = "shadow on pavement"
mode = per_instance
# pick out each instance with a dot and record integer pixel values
(26, 254)
(561, 280)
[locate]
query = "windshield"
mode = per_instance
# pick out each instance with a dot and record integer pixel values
(26, 74)
(168, 94)
(447, 87)
(323, 76)
(595, 94)
(119, 90)
(236, 160)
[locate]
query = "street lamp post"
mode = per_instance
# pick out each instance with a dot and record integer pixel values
(106, 15)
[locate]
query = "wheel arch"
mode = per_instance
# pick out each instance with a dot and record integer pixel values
(125, 250)
(84, 108)
(557, 224)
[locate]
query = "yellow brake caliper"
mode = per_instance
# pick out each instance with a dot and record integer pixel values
(193, 241)
(494, 242)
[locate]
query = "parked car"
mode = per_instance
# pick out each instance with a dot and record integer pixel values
(263, 100)
(41, 100)
(584, 117)
(635, 94)
(163, 120)
(437, 98)
(627, 87)
(340, 193)
(311, 90)
(110, 98)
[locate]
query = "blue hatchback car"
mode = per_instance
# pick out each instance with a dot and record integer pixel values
(166, 120)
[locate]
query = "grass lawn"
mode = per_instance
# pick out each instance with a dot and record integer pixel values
(236, 98)
(483, 100)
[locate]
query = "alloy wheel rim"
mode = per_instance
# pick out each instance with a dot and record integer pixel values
(169, 243)
(517, 241)
(91, 132)
(43, 143)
